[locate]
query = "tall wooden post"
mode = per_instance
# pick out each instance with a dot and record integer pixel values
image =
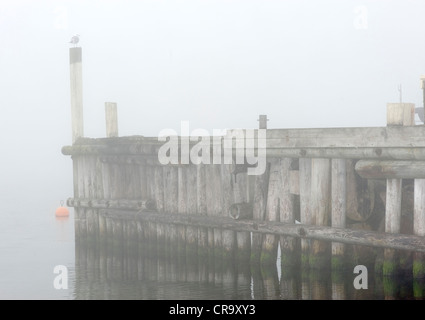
(320, 208)
(339, 207)
(269, 248)
(262, 119)
(288, 245)
(76, 81)
(419, 214)
(111, 117)
(77, 124)
(305, 209)
(398, 114)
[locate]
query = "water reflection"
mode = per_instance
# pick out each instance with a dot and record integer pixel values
(138, 272)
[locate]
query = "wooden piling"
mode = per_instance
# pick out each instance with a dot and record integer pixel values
(288, 245)
(419, 226)
(305, 208)
(191, 207)
(339, 208)
(241, 195)
(201, 197)
(320, 208)
(111, 117)
(76, 81)
(259, 205)
(398, 114)
(270, 242)
(229, 236)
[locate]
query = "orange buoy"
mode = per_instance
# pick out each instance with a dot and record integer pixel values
(62, 211)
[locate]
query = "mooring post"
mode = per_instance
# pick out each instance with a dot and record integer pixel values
(111, 131)
(77, 124)
(288, 245)
(76, 81)
(111, 117)
(398, 114)
(419, 214)
(259, 207)
(305, 209)
(419, 226)
(320, 209)
(339, 207)
(262, 119)
(269, 248)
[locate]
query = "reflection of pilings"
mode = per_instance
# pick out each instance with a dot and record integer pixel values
(130, 272)
(289, 284)
(338, 284)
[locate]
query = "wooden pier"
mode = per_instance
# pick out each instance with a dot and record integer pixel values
(324, 194)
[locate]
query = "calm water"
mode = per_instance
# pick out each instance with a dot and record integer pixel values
(33, 242)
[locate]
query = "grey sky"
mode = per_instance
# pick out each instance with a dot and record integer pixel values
(218, 64)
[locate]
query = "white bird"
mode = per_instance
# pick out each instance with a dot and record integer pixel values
(75, 39)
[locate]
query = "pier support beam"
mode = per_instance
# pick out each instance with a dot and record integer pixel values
(339, 207)
(398, 114)
(419, 226)
(320, 208)
(305, 209)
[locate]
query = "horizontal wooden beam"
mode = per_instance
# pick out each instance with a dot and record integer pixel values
(349, 236)
(396, 153)
(375, 169)
(362, 137)
(121, 204)
(386, 143)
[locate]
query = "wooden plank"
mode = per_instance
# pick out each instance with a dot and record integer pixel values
(170, 189)
(419, 226)
(294, 182)
(378, 152)
(143, 181)
(111, 118)
(320, 206)
(201, 189)
(376, 169)
(124, 204)
(305, 209)
(241, 193)
(339, 207)
(159, 188)
(191, 199)
(361, 137)
(419, 207)
(270, 241)
(405, 151)
(229, 236)
(288, 245)
(191, 189)
(182, 189)
(261, 183)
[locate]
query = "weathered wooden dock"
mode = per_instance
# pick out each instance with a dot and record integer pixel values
(360, 186)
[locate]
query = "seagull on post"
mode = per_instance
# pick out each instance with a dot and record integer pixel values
(75, 39)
